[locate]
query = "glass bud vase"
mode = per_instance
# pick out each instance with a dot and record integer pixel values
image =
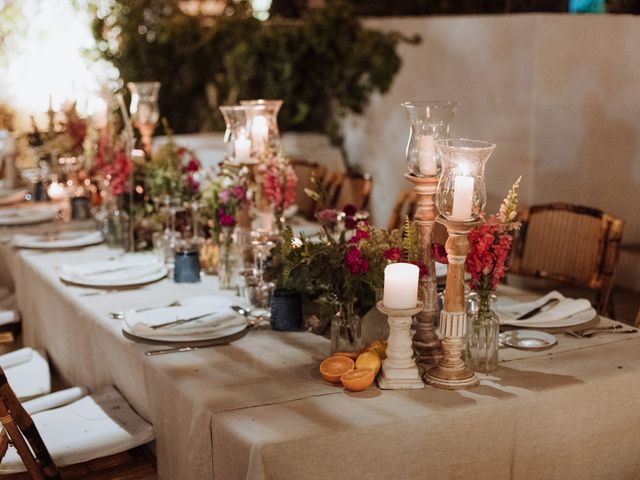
(483, 328)
(429, 121)
(346, 329)
(226, 260)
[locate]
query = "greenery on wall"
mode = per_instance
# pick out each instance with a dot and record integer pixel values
(322, 65)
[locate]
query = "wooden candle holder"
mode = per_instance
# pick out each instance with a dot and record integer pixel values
(426, 343)
(451, 372)
(399, 370)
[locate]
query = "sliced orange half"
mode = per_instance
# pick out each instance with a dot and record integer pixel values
(334, 367)
(358, 380)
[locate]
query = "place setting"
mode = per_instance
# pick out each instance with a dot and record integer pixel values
(57, 240)
(11, 217)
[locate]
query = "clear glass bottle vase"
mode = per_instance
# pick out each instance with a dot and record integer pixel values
(226, 260)
(483, 328)
(346, 329)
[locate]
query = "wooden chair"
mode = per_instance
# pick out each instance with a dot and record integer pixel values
(346, 188)
(572, 244)
(21, 431)
(405, 207)
(638, 319)
(305, 171)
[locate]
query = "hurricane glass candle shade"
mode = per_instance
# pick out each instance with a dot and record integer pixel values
(461, 194)
(144, 109)
(429, 121)
(265, 132)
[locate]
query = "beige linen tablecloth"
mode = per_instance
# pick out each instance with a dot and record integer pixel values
(258, 409)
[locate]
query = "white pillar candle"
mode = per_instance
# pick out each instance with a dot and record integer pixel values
(259, 128)
(242, 147)
(462, 197)
(427, 155)
(56, 191)
(400, 286)
(100, 115)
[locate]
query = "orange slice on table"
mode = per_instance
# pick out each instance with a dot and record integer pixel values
(334, 367)
(358, 380)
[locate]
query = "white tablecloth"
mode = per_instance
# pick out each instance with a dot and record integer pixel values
(258, 409)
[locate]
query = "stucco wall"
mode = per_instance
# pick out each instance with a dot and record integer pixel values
(558, 94)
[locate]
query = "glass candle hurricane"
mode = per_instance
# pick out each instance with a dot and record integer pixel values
(264, 126)
(144, 109)
(244, 137)
(461, 194)
(429, 121)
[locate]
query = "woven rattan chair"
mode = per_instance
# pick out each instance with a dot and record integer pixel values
(345, 188)
(404, 208)
(21, 431)
(572, 244)
(305, 171)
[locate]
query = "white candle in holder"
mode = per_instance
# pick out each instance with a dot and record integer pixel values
(242, 147)
(259, 129)
(400, 286)
(427, 155)
(462, 198)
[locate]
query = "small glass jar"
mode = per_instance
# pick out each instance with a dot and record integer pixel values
(461, 194)
(187, 263)
(483, 329)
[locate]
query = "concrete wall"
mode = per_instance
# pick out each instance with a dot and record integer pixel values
(558, 94)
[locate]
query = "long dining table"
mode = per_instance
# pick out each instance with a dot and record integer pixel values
(258, 408)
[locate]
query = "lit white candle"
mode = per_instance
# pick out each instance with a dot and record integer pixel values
(400, 286)
(427, 155)
(56, 191)
(242, 147)
(462, 197)
(259, 129)
(100, 115)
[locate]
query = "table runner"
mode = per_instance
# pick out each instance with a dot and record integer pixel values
(258, 408)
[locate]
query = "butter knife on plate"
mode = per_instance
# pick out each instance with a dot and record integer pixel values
(544, 307)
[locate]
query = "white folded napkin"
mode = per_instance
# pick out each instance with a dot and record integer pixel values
(566, 307)
(55, 400)
(113, 271)
(219, 318)
(17, 357)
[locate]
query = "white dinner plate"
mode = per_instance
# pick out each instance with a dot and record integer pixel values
(26, 216)
(222, 322)
(574, 320)
(14, 195)
(126, 271)
(527, 339)
(58, 240)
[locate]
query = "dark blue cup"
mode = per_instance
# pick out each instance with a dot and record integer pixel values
(286, 310)
(187, 266)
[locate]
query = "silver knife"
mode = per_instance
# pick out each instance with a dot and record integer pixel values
(539, 309)
(180, 321)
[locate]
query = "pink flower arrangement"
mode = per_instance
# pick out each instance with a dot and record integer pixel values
(279, 183)
(119, 172)
(490, 244)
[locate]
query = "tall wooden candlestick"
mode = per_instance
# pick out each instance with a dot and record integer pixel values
(451, 373)
(425, 340)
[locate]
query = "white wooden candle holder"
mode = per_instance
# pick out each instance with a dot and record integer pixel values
(399, 370)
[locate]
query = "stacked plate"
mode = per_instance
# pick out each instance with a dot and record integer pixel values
(567, 312)
(57, 240)
(195, 319)
(26, 216)
(126, 271)
(11, 195)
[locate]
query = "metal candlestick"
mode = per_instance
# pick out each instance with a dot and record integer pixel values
(399, 370)
(451, 372)
(425, 340)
